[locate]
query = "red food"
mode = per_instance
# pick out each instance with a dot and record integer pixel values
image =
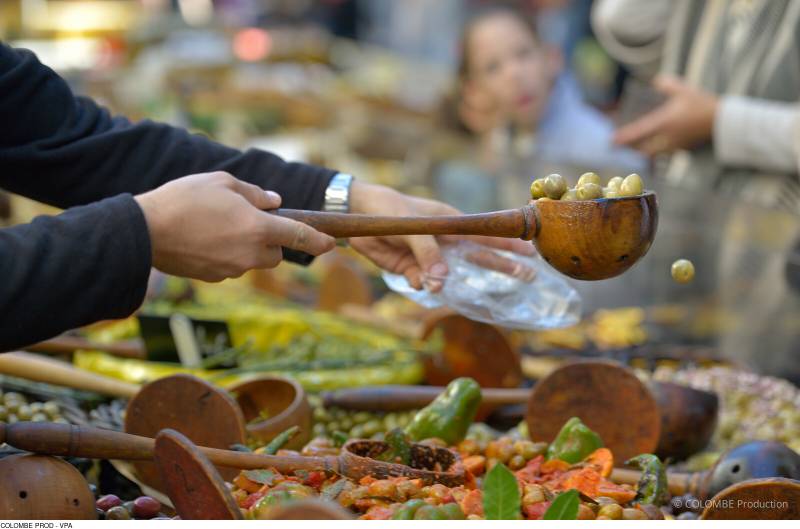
(554, 465)
(536, 511)
(618, 493)
(243, 483)
(603, 460)
(315, 479)
(378, 513)
(475, 464)
(472, 503)
(531, 471)
(252, 499)
(585, 480)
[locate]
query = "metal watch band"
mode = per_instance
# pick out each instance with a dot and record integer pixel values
(337, 195)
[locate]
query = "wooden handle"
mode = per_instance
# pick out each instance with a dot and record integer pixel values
(67, 440)
(70, 344)
(40, 369)
(394, 398)
(514, 223)
(679, 483)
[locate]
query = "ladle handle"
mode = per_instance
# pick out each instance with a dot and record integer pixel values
(41, 369)
(69, 344)
(85, 441)
(512, 223)
(394, 398)
(679, 483)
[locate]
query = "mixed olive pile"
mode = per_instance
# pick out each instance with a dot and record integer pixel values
(589, 187)
(356, 424)
(111, 507)
(16, 407)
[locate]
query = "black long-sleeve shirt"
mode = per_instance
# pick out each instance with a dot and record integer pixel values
(92, 261)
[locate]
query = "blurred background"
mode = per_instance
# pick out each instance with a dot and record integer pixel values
(368, 87)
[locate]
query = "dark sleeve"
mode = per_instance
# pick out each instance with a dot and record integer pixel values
(66, 151)
(60, 272)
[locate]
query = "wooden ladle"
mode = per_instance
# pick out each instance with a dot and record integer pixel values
(590, 240)
(357, 458)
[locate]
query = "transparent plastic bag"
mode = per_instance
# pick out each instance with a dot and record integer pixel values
(500, 288)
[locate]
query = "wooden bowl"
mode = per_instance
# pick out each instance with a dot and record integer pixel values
(34, 487)
(595, 239)
(688, 419)
(756, 499)
(285, 402)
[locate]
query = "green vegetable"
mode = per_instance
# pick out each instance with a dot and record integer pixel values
(408, 510)
(262, 476)
(564, 507)
(501, 495)
(280, 440)
(448, 417)
(331, 492)
(452, 511)
(574, 442)
(652, 486)
(399, 450)
(339, 438)
(429, 512)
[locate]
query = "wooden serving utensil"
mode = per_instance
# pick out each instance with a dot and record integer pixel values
(357, 458)
(194, 486)
(590, 240)
(756, 499)
(38, 487)
(66, 344)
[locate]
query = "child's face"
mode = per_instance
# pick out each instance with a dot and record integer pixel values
(509, 67)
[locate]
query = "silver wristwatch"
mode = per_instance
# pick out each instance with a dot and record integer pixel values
(337, 195)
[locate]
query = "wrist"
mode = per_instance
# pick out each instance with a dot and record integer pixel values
(146, 202)
(364, 196)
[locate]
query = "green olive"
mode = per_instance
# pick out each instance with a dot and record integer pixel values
(516, 462)
(612, 510)
(614, 183)
(3, 412)
(590, 192)
(555, 185)
(39, 417)
(24, 412)
(571, 194)
(588, 178)
(12, 418)
(631, 186)
(610, 193)
(633, 514)
(537, 188)
(682, 271)
(12, 396)
(36, 407)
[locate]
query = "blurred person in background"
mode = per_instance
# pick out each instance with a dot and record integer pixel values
(515, 98)
(727, 73)
(144, 193)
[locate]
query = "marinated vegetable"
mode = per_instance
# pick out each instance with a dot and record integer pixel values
(652, 486)
(574, 442)
(448, 417)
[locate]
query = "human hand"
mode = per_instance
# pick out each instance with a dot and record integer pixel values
(211, 227)
(684, 121)
(417, 257)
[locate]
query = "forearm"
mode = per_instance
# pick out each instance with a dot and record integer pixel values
(756, 133)
(89, 263)
(66, 151)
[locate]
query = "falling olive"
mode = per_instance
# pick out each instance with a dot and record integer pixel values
(682, 271)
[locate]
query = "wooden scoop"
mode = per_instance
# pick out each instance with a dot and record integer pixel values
(429, 464)
(590, 240)
(36, 487)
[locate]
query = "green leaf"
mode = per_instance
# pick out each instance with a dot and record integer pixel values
(564, 507)
(265, 477)
(339, 438)
(501, 495)
(332, 492)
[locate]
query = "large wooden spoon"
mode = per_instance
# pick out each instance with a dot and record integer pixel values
(589, 239)
(356, 461)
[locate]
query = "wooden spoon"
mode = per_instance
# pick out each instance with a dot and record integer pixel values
(38, 487)
(756, 499)
(590, 240)
(194, 486)
(357, 458)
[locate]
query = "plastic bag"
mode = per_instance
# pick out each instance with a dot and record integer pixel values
(500, 288)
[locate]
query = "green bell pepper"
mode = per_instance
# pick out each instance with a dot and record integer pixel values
(652, 487)
(574, 442)
(448, 417)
